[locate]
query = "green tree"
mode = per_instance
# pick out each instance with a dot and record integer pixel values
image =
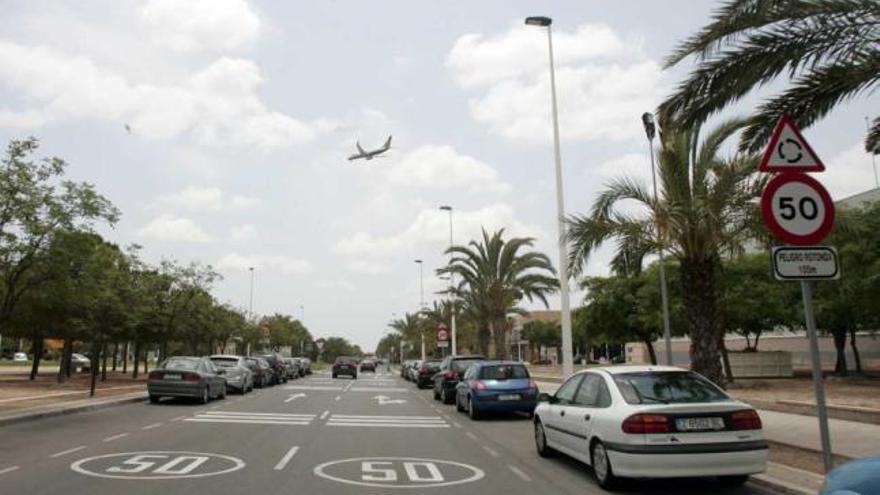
(705, 209)
(826, 51)
(337, 346)
(495, 276)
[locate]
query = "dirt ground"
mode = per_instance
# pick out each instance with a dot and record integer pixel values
(861, 392)
(17, 392)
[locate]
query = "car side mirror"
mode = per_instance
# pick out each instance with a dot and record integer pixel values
(544, 397)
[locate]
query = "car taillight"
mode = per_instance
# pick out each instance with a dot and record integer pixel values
(746, 420)
(646, 423)
(532, 384)
(155, 375)
(191, 377)
(424, 370)
(479, 385)
(450, 375)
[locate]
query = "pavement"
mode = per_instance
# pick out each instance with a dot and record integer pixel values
(375, 435)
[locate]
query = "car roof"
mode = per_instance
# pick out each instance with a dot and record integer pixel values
(632, 368)
(499, 362)
(183, 357)
(224, 356)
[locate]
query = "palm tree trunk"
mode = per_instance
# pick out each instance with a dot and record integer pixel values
(484, 335)
(651, 353)
(855, 350)
(500, 334)
(698, 286)
(839, 337)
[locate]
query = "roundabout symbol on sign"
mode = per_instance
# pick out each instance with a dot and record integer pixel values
(797, 209)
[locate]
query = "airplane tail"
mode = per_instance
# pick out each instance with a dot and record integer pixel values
(360, 150)
(387, 143)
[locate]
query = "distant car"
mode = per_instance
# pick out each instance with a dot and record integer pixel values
(345, 366)
(307, 365)
(300, 366)
(650, 422)
(412, 370)
(278, 367)
(861, 476)
(184, 376)
(239, 376)
(450, 372)
(80, 362)
(368, 365)
(496, 386)
(291, 367)
(262, 371)
(19, 357)
(404, 368)
(424, 374)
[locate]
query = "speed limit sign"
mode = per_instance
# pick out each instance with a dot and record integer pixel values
(797, 209)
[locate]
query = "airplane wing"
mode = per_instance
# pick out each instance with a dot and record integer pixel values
(355, 157)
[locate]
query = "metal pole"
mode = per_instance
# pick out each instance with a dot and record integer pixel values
(873, 155)
(818, 385)
(421, 303)
(567, 365)
(664, 295)
(454, 349)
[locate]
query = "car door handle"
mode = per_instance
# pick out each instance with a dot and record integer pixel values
(586, 417)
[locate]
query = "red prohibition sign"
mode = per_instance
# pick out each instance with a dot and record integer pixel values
(797, 209)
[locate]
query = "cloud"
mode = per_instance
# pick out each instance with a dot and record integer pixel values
(602, 82)
(170, 228)
(260, 262)
(217, 106)
(244, 202)
(196, 25)
(336, 285)
(432, 226)
(368, 267)
(206, 199)
(246, 232)
(848, 172)
(441, 167)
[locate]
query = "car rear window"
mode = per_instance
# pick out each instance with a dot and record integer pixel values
(345, 360)
(667, 388)
(225, 362)
(503, 372)
(181, 364)
(461, 365)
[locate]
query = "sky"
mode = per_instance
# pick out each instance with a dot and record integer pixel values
(241, 115)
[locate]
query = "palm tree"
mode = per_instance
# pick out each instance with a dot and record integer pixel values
(495, 276)
(706, 209)
(410, 327)
(829, 50)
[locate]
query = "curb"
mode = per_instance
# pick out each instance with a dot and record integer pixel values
(21, 418)
(779, 485)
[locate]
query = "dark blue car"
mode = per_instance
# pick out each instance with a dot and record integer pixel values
(496, 386)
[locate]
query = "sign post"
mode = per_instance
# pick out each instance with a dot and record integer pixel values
(798, 210)
(442, 337)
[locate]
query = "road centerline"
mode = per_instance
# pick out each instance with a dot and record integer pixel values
(115, 437)
(9, 469)
(68, 451)
(287, 457)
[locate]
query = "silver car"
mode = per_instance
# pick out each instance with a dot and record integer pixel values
(239, 376)
(183, 376)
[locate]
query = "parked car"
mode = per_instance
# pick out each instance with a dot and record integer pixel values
(19, 357)
(300, 366)
(184, 376)
(291, 367)
(861, 476)
(80, 362)
(368, 365)
(650, 422)
(239, 376)
(423, 376)
(345, 366)
(496, 386)
(405, 367)
(413, 369)
(277, 364)
(264, 376)
(451, 370)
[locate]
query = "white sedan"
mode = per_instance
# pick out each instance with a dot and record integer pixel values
(650, 422)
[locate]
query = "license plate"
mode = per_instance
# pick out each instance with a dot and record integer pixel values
(172, 376)
(508, 397)
(691, 424)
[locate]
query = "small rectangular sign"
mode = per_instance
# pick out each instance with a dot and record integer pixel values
(805, 263)
(442, 343)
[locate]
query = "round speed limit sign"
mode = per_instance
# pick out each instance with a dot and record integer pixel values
(797, 209)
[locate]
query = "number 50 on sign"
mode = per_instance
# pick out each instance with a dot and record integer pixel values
(797, 209)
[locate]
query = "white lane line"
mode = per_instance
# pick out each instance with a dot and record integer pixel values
(306, 387)
(115, 437)
(178, 418)
(8, 470)
(287, 457)
(388, 425)
(471, 436)
(150, 427)
(437, 421)
(347, 387)
(491, 451)
(338, 397)
(243, 413)
(325, 414)
(358, 416)
(250, 421)
(378, 389)
(519, 472)
(68, 451)
(457, 424)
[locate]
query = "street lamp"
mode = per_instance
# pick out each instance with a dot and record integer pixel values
(454, 351)
(567, 358)
(250, 307)
(650, 132)
(421, 301)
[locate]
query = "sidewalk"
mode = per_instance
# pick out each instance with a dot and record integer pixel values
(70, 407)
(848, 438)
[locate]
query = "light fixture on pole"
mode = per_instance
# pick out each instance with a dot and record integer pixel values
(454, 350)
(421, 303)
(651, 132)
(567, 358)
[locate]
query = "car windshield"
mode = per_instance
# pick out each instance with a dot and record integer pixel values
(461, 365)
(225, 362)
(504, 372)
(667, 388)
(345, 360)
(181, 364)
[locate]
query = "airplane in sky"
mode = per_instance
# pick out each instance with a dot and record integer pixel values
(369, 155)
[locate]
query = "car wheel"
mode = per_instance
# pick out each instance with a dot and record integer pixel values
(206, 395)
(154, 399)
(602, 467)
(541, 441)
(458, 406)
(334, 375)
(473, 412)
(436, 393)
(734, 480)
(222, 394)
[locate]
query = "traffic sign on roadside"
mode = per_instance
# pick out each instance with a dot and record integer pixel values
(788, 151)
(805, 263)
(797, 209)
(442, 335)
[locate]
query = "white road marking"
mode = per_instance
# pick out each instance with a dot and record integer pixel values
(248, 421)
(287, 457)
(242, 413)
(387, 425)
(308, 387)
(519, 472)
(68, 451)
(215, 407)
(8, 470)
(294, 397)
(471, 436)
(115, 437)
(491, 451)
(254, 418)
(178, 418)
(378, 389)
(347, 387)
(387, 421)
(457, 424)
(150, 427)
(324, 414)
(338, 397)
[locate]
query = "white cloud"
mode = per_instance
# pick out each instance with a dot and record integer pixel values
(441, 167)
(284, 264)
(168, 227)
(848, 172)
(244, 202)
(602, 82)
(206, 199)
(217, 106)
(336, 285)
(633, 165)
(432, 226)
(246, 232)
(368, 267)
(195, 25)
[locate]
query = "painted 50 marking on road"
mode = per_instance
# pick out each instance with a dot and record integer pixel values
(398, 472)
(157, 465)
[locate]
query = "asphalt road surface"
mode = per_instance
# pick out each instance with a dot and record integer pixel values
(316, 435)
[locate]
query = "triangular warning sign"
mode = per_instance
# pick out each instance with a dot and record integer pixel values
(788, 151)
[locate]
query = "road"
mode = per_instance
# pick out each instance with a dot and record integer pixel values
(312, 436)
